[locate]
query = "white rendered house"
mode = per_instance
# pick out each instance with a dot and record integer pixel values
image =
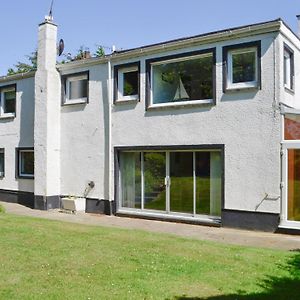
(204, 129)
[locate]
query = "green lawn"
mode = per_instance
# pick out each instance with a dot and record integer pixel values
(43, 259)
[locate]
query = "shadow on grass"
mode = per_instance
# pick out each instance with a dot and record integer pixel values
(275, 288)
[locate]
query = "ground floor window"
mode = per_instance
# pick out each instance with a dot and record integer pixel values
(25, 163)
(184, 182)
(1, 162)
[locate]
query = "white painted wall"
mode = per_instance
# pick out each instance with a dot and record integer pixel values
(84, 139)
(18, 132)
(289, 98)
(247, 123)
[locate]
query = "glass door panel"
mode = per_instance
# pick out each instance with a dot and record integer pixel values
(208, 169)
(182, 182)
(294, 184)
(130, 166)
(154, 178)
(203, 183)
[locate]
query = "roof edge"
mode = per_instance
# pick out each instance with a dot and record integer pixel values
(18, 76)
(225, 34)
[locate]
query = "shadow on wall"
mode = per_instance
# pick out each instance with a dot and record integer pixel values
(26, 115)
(276, 288)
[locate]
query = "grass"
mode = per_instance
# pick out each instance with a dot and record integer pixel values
(42, 259)
(2, 209)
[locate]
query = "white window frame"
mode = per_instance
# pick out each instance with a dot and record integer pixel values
(20, 174)
(179, 103)
(241, 85)
(2, 104)
(121, 71)
(288, 74)
(73, 78)
(2, 172)
(284, 222)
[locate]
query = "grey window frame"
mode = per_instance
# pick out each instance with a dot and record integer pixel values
(3, 89)
(174, 57)
(239, 47)
(65, 79)
(291, 85)
(19, 151)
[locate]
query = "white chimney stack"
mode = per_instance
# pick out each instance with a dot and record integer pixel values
(47, 120)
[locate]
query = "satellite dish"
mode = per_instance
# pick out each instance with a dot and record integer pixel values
(61, 47)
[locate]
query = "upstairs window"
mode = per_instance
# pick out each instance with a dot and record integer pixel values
(25, 163)
(1, 162)
(288, 68)
(8, 101)
(76, 88)
(126, 82)
(182, 79)
(242, 66)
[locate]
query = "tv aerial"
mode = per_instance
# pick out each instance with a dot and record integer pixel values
(49, 17)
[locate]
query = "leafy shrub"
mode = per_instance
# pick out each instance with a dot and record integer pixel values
(2, 209)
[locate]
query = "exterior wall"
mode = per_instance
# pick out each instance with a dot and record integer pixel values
(287, 97)
(18, 132)
(84, 139)
(246, 122)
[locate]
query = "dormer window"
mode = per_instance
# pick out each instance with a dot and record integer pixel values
(76, 88)
(8, 101)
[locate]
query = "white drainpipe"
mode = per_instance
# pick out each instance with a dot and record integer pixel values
(110, 89)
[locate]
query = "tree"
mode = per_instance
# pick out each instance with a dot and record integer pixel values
(23, 67)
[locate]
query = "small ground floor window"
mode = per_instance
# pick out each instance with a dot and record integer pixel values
(25, 164)
(175, 182)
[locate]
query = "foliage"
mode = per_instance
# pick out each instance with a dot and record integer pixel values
(24, 67)
(100, 51)
(85, 262)
(2, 209)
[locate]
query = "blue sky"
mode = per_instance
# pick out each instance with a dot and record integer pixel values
(128, 23)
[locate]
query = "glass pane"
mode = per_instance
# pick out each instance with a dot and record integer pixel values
(130, 166)
(27, 163)
(243, 67)
(183, 80)
(181, 188)
(203, 183)
(9, 102)
(78, 89)
(294, 185)
(154, 174)
(130, 83)
(292, 127)
(1, 163)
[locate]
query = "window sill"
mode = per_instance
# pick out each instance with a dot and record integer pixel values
(7, 116)
(126, 101)
(75, 102)
(181, 104)
(289, 90)
(25, 177)
(233, 89)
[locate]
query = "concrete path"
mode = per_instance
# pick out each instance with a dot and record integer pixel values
(222, 235)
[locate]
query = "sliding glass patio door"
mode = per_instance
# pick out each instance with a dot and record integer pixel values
(172, 182)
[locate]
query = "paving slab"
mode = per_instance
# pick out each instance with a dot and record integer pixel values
(222, 235)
